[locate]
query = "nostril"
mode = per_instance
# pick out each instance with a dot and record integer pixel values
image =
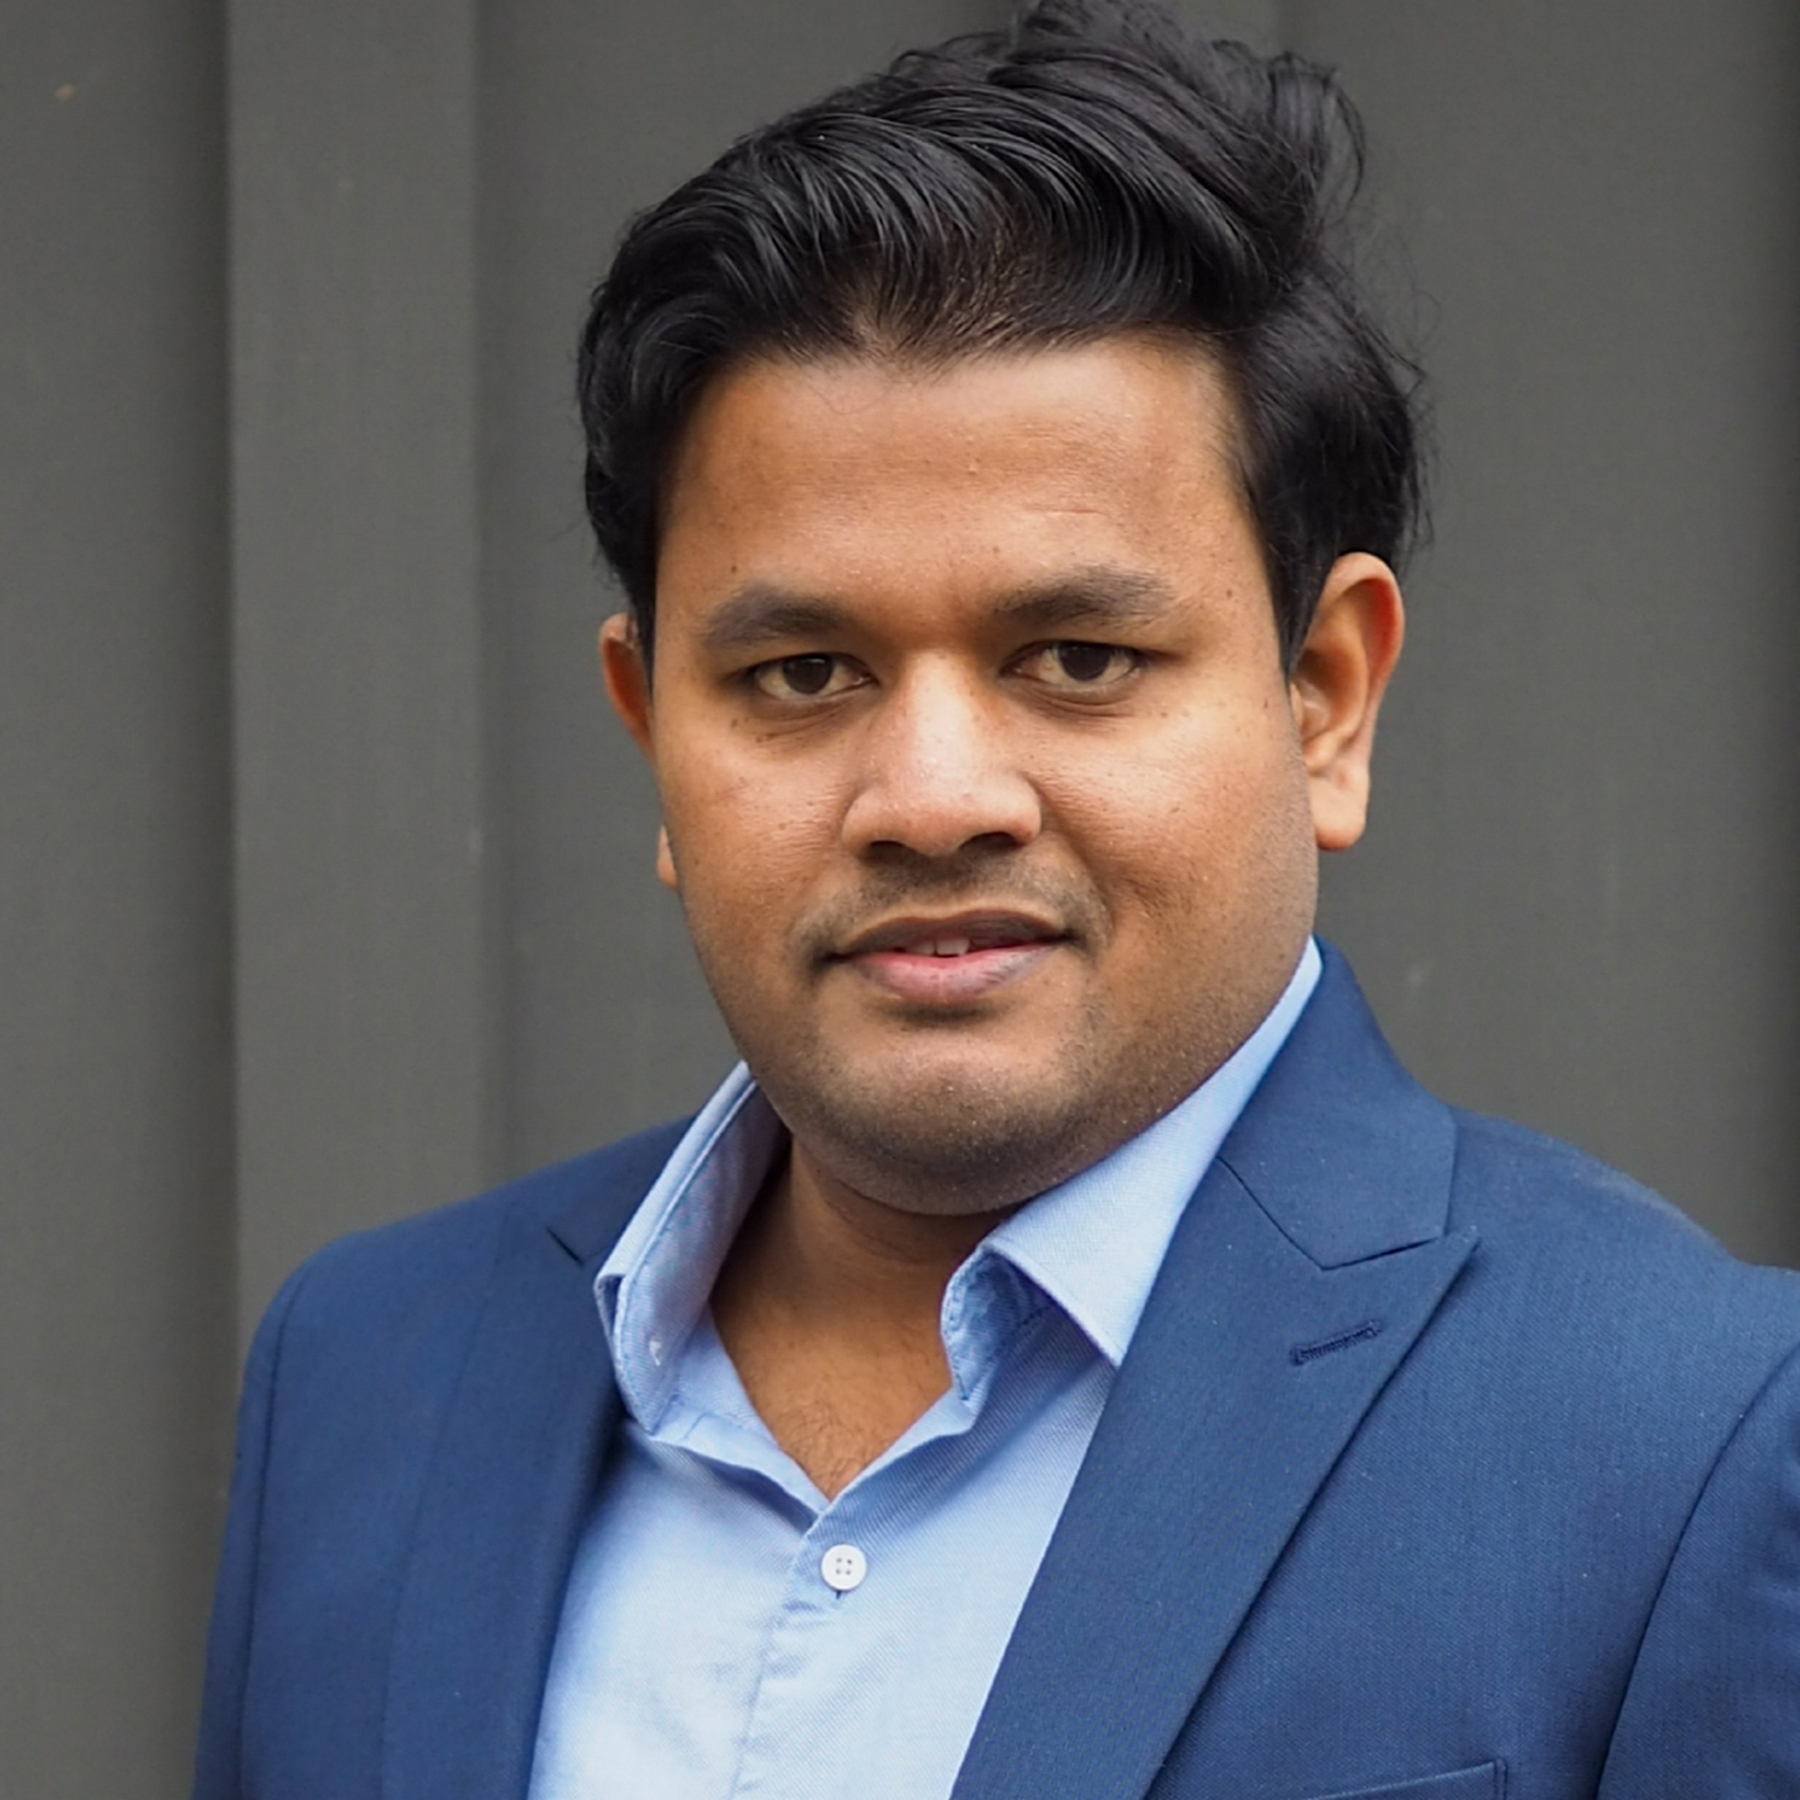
(984, 846)
(994, 840)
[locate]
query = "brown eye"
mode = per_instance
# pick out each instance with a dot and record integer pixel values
(1086, 662)
(1071, 665)
(802, 677)
(806, 674)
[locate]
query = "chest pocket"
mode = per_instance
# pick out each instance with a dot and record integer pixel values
(1485, 1783)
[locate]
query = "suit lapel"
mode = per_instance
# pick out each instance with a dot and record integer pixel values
(1309, 1261)
(513, 1479)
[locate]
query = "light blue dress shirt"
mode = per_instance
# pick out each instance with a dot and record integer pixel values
(730, 1634)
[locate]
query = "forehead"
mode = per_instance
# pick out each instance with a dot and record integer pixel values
(858, 471)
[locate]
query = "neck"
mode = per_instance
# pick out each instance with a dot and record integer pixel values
(837, 1253)
(828, 1305)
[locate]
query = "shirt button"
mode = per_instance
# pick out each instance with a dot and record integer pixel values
(843, 1567)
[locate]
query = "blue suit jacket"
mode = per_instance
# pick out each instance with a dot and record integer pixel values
(1445, 1463)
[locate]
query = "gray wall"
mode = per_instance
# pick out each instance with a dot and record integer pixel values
(324, 880)
(116, 1332)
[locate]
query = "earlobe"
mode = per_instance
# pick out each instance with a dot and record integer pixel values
(665, 861)
(1337, 688)
(627, 677)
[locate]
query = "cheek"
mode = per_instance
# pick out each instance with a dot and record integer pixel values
(747, 844)
(1202, 825)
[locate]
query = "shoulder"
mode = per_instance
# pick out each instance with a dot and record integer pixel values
(1529, 1189)
(418, 1276)
(1591, 1277)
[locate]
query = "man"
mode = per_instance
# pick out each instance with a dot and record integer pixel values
(1070, 1359)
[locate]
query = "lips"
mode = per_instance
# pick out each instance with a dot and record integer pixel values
(951, 961)
(959, 935)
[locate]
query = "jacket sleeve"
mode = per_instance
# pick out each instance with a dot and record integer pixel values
(218, 1764)
(1713, 1708)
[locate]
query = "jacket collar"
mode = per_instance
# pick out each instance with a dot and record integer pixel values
(1345, 1152)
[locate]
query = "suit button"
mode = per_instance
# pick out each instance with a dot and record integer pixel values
(843, 1567)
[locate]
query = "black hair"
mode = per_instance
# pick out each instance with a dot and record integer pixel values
(1093, 170)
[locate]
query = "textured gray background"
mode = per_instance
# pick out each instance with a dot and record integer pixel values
(325, 886)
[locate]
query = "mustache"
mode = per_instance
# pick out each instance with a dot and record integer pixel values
(953, 885)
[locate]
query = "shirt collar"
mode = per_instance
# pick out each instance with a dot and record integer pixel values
(1093, 1244)
(655, 1284)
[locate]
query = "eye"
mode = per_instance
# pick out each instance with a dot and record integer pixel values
(815, 677)
(1072, 666)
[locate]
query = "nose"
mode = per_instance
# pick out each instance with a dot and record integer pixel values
(938, 773)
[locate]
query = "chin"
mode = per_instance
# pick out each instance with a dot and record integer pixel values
(950, 1138)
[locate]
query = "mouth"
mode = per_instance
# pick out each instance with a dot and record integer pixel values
(952, 960)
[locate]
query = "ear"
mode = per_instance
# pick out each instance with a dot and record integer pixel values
(1336, 690)
(628, 687)
(627, 678)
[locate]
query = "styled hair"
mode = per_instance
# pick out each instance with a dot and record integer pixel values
(1091, 171)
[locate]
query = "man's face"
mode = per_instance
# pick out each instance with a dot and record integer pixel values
(984, 790)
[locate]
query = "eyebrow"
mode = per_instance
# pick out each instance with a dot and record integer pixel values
(1096, 598)
(761, 613)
